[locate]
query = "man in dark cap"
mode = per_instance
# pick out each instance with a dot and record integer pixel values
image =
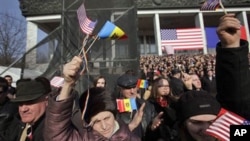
(127, 84)
(31, 98)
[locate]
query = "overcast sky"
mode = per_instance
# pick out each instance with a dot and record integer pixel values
(10, 6)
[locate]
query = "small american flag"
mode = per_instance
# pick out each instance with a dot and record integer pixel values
(57, 81)
(210, 5)
(220, 128)
(190, 38)
(86, 24)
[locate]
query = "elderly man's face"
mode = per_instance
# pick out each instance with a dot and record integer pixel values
(104, 123)
(129, 92)
(31, 111)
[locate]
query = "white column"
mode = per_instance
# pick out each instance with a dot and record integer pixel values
(242, 16)
(157, 33)
(200, 23)
(32, 30)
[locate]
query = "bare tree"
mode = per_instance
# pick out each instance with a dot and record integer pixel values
(12, 38)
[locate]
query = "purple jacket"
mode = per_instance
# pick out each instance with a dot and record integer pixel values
(59, 127)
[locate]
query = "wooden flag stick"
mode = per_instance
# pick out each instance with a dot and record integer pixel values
(223, 8)
(86, 61)
(83, 44)
(92, 43)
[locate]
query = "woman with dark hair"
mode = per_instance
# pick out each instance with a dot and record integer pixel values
(99, 81)
(162, 99)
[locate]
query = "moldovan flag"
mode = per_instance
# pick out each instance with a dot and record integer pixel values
(220, 128)
(120, 105)
(142, 83)
(109, 30)
(126, 105)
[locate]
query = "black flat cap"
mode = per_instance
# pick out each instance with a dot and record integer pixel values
(127, 81)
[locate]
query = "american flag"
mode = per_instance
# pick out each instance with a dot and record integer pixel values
(190, 38)
(57, 81)
(220, 128)
(210, 5)
(86, 24)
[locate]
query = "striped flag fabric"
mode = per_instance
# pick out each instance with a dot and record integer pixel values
(210, 5)
(86, 24)
(220, 128)
(111, 31)
(141, 83)
(182, 39)
(126, 105)
(57, 81)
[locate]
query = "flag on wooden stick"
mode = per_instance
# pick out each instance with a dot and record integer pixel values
(210, 5)
(86, 24)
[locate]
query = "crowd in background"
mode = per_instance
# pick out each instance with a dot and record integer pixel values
(184, 96)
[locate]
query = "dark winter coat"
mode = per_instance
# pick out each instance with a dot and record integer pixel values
(233, 78)
(167, 130)
(59, 127)
(14, 131)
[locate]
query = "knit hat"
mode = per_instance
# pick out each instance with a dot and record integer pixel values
(194, 103)
(99, 101)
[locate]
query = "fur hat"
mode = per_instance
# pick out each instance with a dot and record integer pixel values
(193, 103)
(99, 101)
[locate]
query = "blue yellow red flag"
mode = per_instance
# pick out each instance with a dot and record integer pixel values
(133, 104)
(109, 30)
(120, 105)
(127, 105)
(141, 83)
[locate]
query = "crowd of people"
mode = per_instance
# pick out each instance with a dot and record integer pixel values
(183, 97)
